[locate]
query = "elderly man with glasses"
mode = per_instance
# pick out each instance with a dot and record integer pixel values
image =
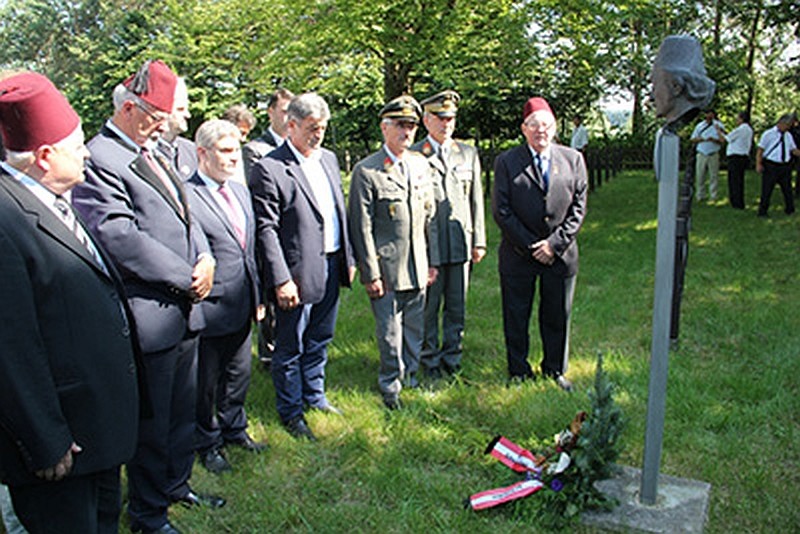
(137, 208)
(539, 203)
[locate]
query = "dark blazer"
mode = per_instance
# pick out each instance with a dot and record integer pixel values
(235, 294)
(181, 154)
(256, 149)
(289, 224)
(150, 237)
(526, 214)
(67, 370)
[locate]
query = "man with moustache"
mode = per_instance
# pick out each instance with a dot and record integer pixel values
(137, 208)
(456, 171)
(305, 252)
(68, 381)
(222, 208)
(391, 211)
(539, 203)
(179, 151)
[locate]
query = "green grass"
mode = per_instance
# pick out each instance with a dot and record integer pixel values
(732, 407)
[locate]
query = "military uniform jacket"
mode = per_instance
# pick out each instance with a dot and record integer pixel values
(390, 218)
(526, 213)
(458, 192)
(68, 364)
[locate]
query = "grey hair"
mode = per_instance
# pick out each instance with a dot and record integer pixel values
(122, 94)
(213, 130)
(308, 105)
(786, 118)
(19, 159)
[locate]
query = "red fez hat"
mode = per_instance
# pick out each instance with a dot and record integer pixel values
(534, 104)
(34, 113)
(154, 83)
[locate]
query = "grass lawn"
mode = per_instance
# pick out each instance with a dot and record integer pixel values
(732, 407)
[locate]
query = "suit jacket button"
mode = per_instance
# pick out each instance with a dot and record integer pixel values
(546, 219)
(131, 368)
(126, 332)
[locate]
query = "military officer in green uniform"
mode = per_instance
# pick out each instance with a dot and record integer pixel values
(391, 207)
(459, 221)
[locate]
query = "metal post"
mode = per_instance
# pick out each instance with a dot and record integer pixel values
(667, 156)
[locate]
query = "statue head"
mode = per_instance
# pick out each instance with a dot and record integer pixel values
(680, 82)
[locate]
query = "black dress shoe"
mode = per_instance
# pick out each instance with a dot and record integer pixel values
(517, 379)
(392, 402)
(166, 528)
(298, 428)
(193, 499)
(434, 373)
(248, 444)
(213, 460)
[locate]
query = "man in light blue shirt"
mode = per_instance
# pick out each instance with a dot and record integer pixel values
(708, 136)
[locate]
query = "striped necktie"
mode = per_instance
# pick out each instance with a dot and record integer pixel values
(69, 219)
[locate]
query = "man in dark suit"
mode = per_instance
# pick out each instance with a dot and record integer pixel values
(274, 135)
(179, 151)
(136, 207)
(459, 220)
(68, 390)
(305, 256)
(539, 203)
(222, 208)
(252, 152)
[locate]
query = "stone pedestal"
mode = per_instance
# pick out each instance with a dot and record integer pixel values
(681, 505)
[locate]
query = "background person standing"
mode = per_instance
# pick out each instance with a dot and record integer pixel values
(740, 141)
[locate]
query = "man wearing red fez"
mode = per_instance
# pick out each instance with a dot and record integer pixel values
(69, 402)
(136, 207)
(539, 202)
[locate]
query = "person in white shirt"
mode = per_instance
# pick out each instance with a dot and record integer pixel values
(580, 137)
(708, 135)
(740, 141)
(774, 163)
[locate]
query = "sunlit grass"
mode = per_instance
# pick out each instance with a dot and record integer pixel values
(732, 402)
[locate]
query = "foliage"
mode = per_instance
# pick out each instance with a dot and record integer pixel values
(568, 494)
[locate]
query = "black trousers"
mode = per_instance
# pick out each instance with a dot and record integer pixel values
(159, 472)
(555, 307)
(776, 173)
(85, 504)
(737, 164)
(223, 377)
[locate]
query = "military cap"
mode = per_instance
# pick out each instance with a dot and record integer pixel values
(444, 104)
(403, 108)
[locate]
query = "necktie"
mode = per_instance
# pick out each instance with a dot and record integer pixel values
(235, 216)
(783, 147)
(162, 175)
(542, 172)
(69, 219)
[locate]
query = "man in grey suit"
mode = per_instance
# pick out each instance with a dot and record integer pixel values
(460, 225)
(179, 151)
(539, 203)
(222, 208)
(136, 207)
(305, 252)
(69, 402)
(391, 209)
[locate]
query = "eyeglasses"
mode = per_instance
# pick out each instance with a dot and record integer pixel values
(539, 125)
(155, 116)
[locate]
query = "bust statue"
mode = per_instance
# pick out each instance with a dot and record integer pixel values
(681, 86)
